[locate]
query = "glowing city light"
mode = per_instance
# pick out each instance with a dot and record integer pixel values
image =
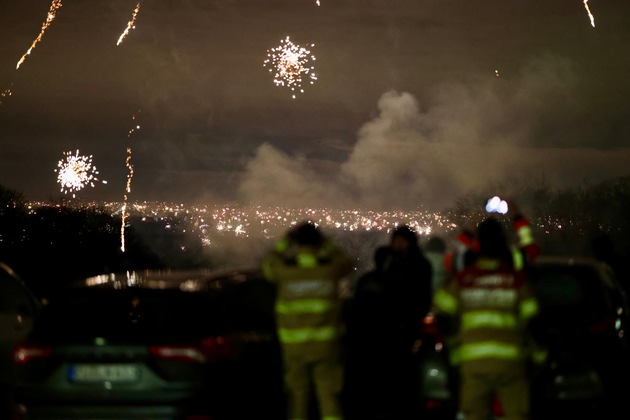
(291, 65)
(496, 205)
(75, 172)
(130, 25)
(55, 5)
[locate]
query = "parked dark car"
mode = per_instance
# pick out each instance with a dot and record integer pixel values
(254, 385)
(165, 344)
(584, 324)
(18, 309)
(139, 345)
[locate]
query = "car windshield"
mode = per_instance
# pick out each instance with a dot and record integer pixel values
(131, 315)
(570, 296)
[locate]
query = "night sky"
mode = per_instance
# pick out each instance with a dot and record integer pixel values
(407, 110)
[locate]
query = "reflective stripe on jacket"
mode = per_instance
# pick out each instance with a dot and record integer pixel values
(526, 242)
(493, 303)
(307, 304)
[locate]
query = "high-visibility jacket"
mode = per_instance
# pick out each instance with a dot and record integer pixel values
(307, 305)
(524, 252)
(492, 304)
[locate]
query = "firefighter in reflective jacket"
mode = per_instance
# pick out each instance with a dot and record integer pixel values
(490, 304)
(466, 245)
(307, 268)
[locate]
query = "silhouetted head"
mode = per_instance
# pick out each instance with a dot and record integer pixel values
(380, 256)
(306, 233)
(403, 238)
(492, 239)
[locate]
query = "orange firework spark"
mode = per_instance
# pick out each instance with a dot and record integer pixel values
(590, 15)
(129, 166)
(130, 25)
(55, 5)
(291, 62)
(6, 93)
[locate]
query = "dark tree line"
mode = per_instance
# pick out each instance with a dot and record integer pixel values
(54, 245)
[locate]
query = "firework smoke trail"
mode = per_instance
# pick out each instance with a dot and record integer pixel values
(129, 166)
(55, 5)
(290, 63)
(76, 172)
(590, 15)
(130, 25)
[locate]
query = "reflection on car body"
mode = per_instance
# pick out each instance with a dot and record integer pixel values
(142, 345)
(583, 323)
(18, 310)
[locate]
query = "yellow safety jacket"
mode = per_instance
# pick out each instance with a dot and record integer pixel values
(492, 304)
(307, 304)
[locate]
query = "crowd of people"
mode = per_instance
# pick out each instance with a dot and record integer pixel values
(363, 350)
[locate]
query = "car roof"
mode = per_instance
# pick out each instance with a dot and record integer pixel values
(186, 280)
(566, 260)
(605, 273)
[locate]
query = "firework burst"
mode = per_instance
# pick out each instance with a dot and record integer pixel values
(75, 172)
(291, 65)
(54, 6)
(130, 25)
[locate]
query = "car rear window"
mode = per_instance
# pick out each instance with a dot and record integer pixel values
(129, 315)
(569, 295)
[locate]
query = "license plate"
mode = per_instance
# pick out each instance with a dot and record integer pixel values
(103, 372)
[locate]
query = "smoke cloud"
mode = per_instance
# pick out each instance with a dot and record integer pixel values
(465, 139)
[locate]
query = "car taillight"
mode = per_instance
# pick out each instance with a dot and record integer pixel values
(497, 409)
(217, 348)
(210, 349)
(23, 353)
(430, 328)
(602, 326)
(188, 354)
(432, 404)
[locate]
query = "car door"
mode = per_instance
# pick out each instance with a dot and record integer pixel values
(18, 309)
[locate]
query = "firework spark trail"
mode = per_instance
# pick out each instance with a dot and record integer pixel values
(291, 63)
(130, 25)
(54, 6)
(590, 15)
(318, 3)
(129, 166)
(76, 172)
